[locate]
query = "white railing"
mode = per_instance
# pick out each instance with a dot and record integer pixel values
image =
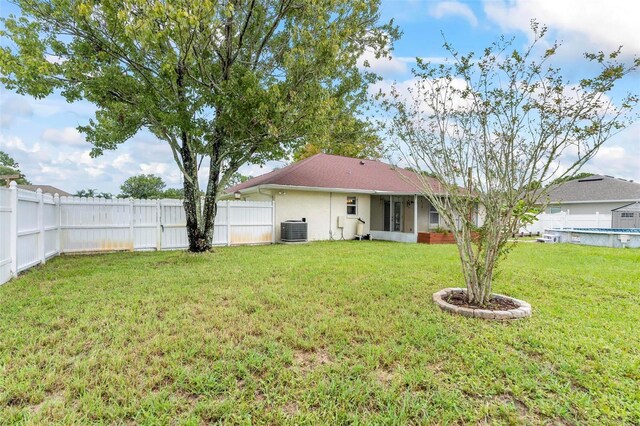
(565, 220)
(36, 226)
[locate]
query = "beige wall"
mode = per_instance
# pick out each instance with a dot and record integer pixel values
(321, 211)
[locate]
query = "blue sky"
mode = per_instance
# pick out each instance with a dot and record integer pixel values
(41, 135)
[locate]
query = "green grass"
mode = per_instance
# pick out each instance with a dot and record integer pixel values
(324, 333)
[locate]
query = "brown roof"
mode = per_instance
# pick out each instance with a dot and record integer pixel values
(336, 172)
(46, 189)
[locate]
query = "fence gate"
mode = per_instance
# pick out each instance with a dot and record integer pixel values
(173, 225)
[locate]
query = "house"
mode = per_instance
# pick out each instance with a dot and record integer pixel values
(46, 189)
(332, 192)
(593, 194)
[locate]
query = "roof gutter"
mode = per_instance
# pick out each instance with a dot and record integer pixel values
(257, 188)
(593, 201)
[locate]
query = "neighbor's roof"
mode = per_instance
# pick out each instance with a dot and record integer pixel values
(46, 189)
(336, 172)
(595, 188)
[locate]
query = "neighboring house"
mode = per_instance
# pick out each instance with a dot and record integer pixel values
(329, 190)
(46, 189)
(593, 194)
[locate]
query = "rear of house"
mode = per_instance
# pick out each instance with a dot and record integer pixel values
(332, 194)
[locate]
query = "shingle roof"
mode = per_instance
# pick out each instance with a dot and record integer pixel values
(337, 172)
(46, 189)
(595, 188)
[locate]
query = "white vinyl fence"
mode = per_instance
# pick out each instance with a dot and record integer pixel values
(36, 226)
(565, 220)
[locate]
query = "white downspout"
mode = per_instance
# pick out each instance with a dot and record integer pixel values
(415, 216)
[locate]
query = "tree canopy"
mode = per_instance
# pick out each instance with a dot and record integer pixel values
(142, 186)
(222, 82)
(494, 129)
(8, 167)
(90, 192)
(357, 139)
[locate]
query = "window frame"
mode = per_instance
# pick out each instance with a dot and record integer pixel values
(553, 209)
(353, 204)
(433, 211)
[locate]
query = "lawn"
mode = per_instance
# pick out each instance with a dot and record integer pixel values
(335, 332)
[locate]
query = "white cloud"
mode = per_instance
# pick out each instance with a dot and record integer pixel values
(122, 160)
(14, 143)
(12, 108)
(154, 168)
(454, 8)
(385, 66)
(66, 136)
(582, 25)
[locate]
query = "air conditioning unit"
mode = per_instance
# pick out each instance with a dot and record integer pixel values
(293, 231)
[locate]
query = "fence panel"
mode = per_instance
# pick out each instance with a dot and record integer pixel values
(173, 228)
(95, 224)
(50, 224)
(5, 235)
(145, 224)
(35, 227)
(564, 220)
(251, 222)
(28, 245)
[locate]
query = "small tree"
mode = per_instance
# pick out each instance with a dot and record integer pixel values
(222, 82)
(142, 186)
(494, 130)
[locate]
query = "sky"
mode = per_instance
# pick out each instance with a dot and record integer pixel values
(41, 134)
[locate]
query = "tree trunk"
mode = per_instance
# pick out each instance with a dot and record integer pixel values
(199, 234)
(477, 268)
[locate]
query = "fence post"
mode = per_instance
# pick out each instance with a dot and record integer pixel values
(131, 232)
(228, 223)
(158, 225)
(41, 239)
(56, 200)
(13, 229)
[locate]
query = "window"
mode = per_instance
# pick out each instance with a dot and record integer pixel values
(554, 209)
(434, 216)
(626, 214)
(352, 206)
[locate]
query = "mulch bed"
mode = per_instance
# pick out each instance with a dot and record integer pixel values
(495, 304)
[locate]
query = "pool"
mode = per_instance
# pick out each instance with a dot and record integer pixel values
(604, 237)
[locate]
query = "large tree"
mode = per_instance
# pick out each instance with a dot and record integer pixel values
(143, 186)
(494, 130)
(222, 82)
(349, 136)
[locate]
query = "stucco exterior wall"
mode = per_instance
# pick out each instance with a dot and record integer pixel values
(320, 210)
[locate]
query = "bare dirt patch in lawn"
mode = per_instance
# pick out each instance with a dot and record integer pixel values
(309, 360)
